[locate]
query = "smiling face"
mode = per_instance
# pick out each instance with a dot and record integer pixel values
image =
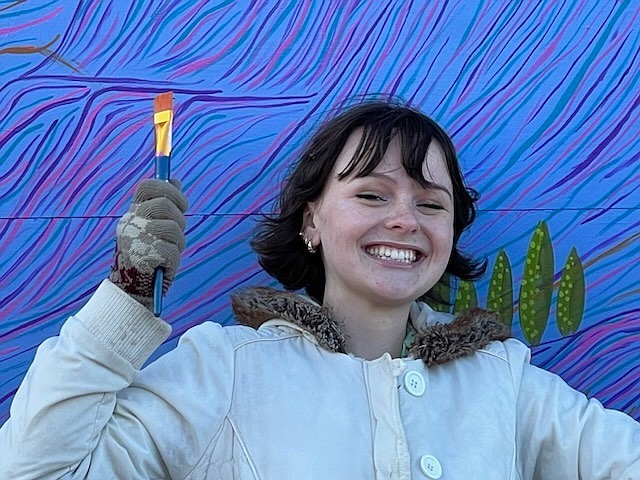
(385, 238)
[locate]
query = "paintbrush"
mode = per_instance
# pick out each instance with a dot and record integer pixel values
(162, 122)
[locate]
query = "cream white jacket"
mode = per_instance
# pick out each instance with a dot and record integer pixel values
(272, 403)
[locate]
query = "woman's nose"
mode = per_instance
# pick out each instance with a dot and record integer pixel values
(403, 218)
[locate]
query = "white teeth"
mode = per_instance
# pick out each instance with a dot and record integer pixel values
(403, 256)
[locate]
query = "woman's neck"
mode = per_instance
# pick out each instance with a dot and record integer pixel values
(371, 330)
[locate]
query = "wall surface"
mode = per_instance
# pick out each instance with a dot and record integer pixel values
(542, 100)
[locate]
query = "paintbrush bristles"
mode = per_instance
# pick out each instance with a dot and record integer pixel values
(163, 101)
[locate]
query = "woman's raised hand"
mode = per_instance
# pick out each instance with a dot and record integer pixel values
(150, 235)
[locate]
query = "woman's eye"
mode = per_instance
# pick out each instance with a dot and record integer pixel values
(369, 196)
(431, 206)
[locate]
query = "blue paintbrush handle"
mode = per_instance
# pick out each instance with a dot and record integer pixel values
(157, 291)
(162, 173)
(163, 166)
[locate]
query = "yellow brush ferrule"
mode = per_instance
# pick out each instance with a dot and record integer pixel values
(162, 124)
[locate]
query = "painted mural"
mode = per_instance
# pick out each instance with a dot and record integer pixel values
(542, 100)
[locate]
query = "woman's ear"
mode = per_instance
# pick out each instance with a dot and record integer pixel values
(309, 229)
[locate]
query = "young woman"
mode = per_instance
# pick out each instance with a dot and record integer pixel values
(357, 380)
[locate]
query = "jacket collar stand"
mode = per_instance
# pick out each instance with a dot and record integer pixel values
(437, 337)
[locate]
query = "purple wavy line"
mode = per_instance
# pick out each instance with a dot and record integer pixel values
(599, 79)
(134, 84)
(37, 21)
(590, 337)
(634, 158)
(85, 17)
(52, 315)
(44, 273)
(191, 13)
(216, 182)
(460, 49)
(610, 207)
(99, 48)
(307, 55)
(379, 21)
(478, 28)
(18, 170)
(595, 153)
(101, 21)
(6, 352)
(92, 166)
(29, 256)
(284, 46)
(612, 273)
(207, 61)
(23, 121)
(614, 341)
(511, 33)
(286, 137)
(9, 234)
(193, 31)
(508, 93)
(569, 150)
(23, 158)
(218, 289)
(585, 97)
(58, 166)
(251, 51)
(78, 185)
(489, 58)
(76, 137)
(394, 35)
(427, 76)
(345, 35)
(467, 130)
(129, 52)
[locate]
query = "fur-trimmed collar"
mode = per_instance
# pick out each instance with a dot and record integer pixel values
(435, 343)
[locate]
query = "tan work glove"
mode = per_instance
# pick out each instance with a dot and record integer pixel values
(150, 235)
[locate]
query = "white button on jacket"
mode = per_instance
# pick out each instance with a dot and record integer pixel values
(430, 466)
(414, 383)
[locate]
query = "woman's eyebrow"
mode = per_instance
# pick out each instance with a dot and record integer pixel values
(429, 186)
(437, 186)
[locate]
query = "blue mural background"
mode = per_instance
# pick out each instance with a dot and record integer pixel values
(541, 100)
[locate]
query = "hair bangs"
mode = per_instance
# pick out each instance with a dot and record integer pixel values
(371, 148)
(414, 137)
(414, 144)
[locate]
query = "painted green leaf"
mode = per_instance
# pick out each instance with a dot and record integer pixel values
(466, 297)
(537, 285)
(439, 298)
(570, 306)
(500, 297)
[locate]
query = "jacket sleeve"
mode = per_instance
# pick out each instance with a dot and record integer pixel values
(562, 434)
(85, 410)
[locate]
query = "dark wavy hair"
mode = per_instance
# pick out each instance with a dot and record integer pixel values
(281, 251)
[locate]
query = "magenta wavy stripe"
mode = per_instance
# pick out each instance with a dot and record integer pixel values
(36, 263)
(282, 48)
(470, 131)
(37, 22)
(574, 170)
(312, 47)
(582, 181)
(601, 359)
(267, 30)
(92, 160)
